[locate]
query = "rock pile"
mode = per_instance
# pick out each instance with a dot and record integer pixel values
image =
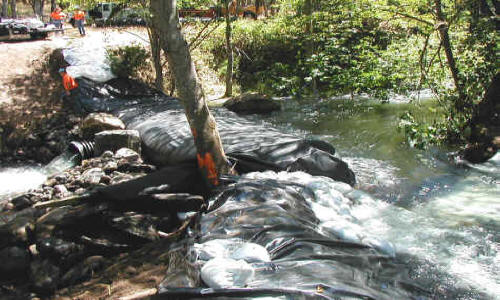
(61, 233)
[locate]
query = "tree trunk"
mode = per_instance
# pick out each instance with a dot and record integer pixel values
(211, 158)
(484, 9)
(154, 41)
(258, 4)
(5, 4)
(38, 7)
(308, 10)
(13, 9)
(229, 49)
(53, 5)
(442, 26)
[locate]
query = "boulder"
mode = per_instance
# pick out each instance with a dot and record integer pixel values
(252, 103)
(66, 253)
(114, 140)
(45, 276)
(83, 271)
(97, 122)
(15, 262)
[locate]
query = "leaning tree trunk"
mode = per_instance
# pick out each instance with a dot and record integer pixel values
(442, 26)
(53, 5)
(210, 154)
(13, 9)
(230, 58)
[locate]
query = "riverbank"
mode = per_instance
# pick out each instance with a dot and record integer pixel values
(35, 125)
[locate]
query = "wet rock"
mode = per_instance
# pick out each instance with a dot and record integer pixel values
(60, 191)
(15, 262)
(50, 182)
(63, 252)
(119, 177)
(128, 155)
(479, 152)
(92, 176)
(44, 275)
(125, 166)
(110, 167)
(252, 103)
(107, 154)
(62, 178)
(23, 201)
(16, 228)
(63, 216)
(83, 271)
(105, 180)
(114, 140)
(97, 122)
(138, 225)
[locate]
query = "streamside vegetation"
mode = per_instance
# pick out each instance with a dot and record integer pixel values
(379, 48)
(348, 47)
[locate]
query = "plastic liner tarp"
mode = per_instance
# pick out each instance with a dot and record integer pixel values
(113, 95)
(307, 262)
(88, 57)
(252, 145)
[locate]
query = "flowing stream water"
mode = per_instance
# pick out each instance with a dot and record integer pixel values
(439, 216)
(19, 179)
(446, 214)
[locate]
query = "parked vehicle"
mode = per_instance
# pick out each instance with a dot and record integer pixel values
(35, 28)
(103, 11)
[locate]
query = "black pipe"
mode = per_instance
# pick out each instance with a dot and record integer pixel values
(84, 149)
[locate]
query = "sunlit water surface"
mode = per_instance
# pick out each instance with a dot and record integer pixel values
(446, 214)
(20, 179)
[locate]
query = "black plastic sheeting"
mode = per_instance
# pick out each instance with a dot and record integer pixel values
(167, 139)
(306, 263)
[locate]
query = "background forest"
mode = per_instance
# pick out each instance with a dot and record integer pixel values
(380, 48)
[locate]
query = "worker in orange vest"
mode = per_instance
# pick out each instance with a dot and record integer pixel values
(71, 94)
(69, 82)
(58, 17)
(79, 16)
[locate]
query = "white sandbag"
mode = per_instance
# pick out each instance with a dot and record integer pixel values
(236, 249)
(226, 273)
(251, 253)
(94, 72)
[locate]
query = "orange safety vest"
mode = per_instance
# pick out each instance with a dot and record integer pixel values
(57, 15)
(79, 15)
(69, 82)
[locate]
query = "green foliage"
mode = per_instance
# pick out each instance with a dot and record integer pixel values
(376, 47)
(124, 61)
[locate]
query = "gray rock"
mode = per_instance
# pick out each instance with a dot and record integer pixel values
(110, 167)
(14, 228)
(15, 262)
(23, 201)
(45, 276)
(92, 176)
(128, 155)
(83, 271)
(65, 253)
(97, 122)
(61, 191)
(252, 103)
(116, 139)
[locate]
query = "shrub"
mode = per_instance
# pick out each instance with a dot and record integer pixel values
(125, 61)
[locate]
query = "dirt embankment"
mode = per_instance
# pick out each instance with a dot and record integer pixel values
(29, 98)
